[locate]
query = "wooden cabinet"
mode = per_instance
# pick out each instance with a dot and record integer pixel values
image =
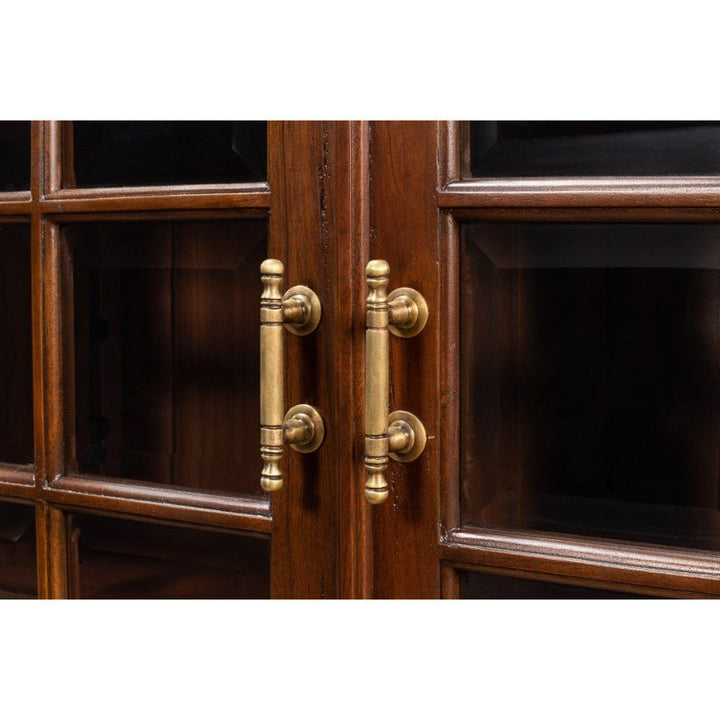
(567, 377)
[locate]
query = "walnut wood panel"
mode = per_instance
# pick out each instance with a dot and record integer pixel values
(404, 231)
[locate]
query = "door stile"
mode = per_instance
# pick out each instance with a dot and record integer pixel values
(405, 224)
(310, 230)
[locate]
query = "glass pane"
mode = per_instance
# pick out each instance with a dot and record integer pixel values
(481, 586)
(131, 560)
(18, 570)
(591, 380)
(16, 382)
(166, 351)
(14, 156)
(167, 153)
(536, 149)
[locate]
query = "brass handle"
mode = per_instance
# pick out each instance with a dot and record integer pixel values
(399, 435)
(298, 311)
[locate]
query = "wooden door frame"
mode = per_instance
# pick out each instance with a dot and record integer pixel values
(420, 198)
(315, 201)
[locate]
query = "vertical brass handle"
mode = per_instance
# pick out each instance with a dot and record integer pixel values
(398, 435)
(299, 312)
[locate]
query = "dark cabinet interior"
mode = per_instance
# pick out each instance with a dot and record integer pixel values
(16, 363)
(165, 341)
(486, 586)
(14, 156)
(111, 154)
(540, 149)
(18, 567)
(591, 368)
(122, 559)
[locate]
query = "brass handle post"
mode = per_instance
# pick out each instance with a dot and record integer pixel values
(298, 311)
(400, 435)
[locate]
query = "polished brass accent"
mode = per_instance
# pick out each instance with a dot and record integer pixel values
(304, 428)
(400, 435)
(406, 436)
(298, 311)
(408, 312)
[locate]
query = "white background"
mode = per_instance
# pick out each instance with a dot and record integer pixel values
(362, 60)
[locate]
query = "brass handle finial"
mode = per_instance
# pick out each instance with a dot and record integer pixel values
(298, 311)
(399, 435)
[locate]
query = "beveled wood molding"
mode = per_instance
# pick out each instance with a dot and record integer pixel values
(17, 475)
(15, 203)
(241, 512)
(629, 563)
(576, 192)
(586, 214)
(250, 196)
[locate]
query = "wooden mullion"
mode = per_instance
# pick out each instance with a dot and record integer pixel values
(159, 500)
(15, 203)
(450, 440)
(43, 557)
(66, 165)
(57, 570)
(19, 486)
(46, 301)
(583, 192)
(55, 315)
(37, 306)
(52, 153)
(51, 530)
(595, 215)
(593, 559)
(449, 582)
(247, 196)
(17, 475)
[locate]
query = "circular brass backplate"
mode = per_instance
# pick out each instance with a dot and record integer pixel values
(422, 312)
(401, 416)
(313, 303)
(309, 414)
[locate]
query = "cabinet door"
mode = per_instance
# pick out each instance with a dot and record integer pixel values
(569, 373)
(130, 368)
